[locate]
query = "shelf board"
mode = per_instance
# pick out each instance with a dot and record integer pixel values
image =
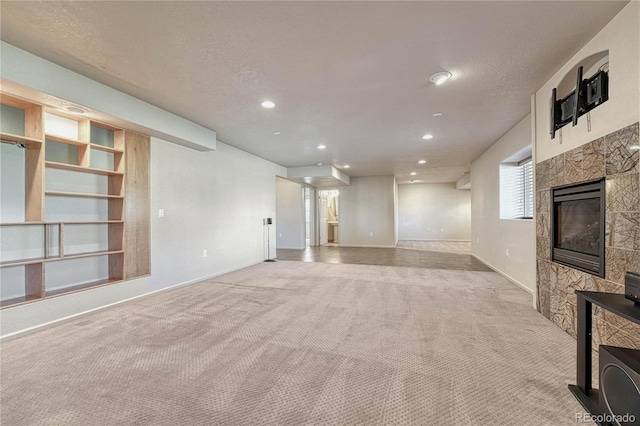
(17, 301)
(64, 140)
(105, 148)
(71, 289)
(75, 168)
(26, 141)
(20, 262)
(81, 194)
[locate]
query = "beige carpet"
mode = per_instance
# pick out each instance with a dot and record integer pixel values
(300, 343)
(459, 247)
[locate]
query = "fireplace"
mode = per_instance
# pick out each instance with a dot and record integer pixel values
(578, 226)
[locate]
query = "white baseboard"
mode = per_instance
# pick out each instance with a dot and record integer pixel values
(507, 276)
(435, 240)
(366, 246)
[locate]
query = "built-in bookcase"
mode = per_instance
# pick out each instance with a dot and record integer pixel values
(64, 195)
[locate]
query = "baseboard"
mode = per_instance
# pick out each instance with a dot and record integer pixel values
(62, 320)
(436, 240)
(507, 276)
(365, 246)
(290, 248)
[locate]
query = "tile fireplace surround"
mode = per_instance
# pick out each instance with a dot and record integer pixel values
(616, 157)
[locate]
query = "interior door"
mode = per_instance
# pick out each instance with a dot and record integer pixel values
(322, 218)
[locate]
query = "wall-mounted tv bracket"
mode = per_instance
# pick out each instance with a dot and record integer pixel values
(588, 94)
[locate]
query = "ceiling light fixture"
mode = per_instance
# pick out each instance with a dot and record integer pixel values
(422, 161)
(318, 164)
(75, 110)
(440, 77)
(427, 137)
(437, 114)
(322, 147)
(276, 133)
(268, 104)
(413, 173)
(346, 166)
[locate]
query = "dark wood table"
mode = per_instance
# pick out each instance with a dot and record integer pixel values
(612, 302)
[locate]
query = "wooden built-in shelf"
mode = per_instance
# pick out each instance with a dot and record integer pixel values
(34, 260)
(125, 157)
(17, 139)
(64, 140)
(17, 301)
(105, 148)
(81, 194)
(75, 168)
(71, 289)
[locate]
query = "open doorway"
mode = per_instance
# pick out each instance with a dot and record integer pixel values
(328, 218)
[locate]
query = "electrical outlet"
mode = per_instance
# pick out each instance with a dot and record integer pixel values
(280, 235)
(205, 253)
(161, 213)
(477, 240)
(371, 234)
(506, 252)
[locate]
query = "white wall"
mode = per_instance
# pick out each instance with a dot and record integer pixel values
(490, 235)
(621, 37)
(434, 212)
(290, 220)
(213, 201)
(367, 207)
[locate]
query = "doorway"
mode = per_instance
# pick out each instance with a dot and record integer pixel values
(328, 217)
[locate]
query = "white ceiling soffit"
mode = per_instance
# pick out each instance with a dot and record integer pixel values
(318, 176)
(464, 182)
(353, 76)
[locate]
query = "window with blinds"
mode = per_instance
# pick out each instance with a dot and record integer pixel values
(516, 190)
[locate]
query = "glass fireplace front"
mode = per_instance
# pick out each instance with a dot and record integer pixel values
(578, 219)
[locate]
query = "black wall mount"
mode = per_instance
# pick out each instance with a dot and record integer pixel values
(588, 94)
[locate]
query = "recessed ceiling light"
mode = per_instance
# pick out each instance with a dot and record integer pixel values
(267, 104)
(322, 147)
(75, 110)
(319, 164)
(440, 77)
(422, 161)
(413, 173)
(346, 166)
(437, 114)
(276, 133)
(427, 137)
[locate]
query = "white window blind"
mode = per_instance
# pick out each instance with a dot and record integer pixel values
(516, 190)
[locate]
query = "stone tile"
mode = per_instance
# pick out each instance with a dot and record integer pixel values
(543, 274)
(570, 319)
(593, 164)
(618, 322)
(543, 201)
(570, 280)
(620, 157)
(623, 230)
(556, 171)
(543, 248)
(612, 287)
(626, 337)
(542, 225)
(558, 310)
(623, 193)
(598, 332)
(573, 166)
(619, 261)
(544, 302)
(542, 175)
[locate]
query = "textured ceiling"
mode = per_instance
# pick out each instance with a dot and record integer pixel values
(350, 75)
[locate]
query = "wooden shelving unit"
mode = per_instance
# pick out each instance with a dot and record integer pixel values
(90, 148)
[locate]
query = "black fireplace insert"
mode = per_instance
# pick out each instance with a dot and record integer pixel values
(578, 226)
